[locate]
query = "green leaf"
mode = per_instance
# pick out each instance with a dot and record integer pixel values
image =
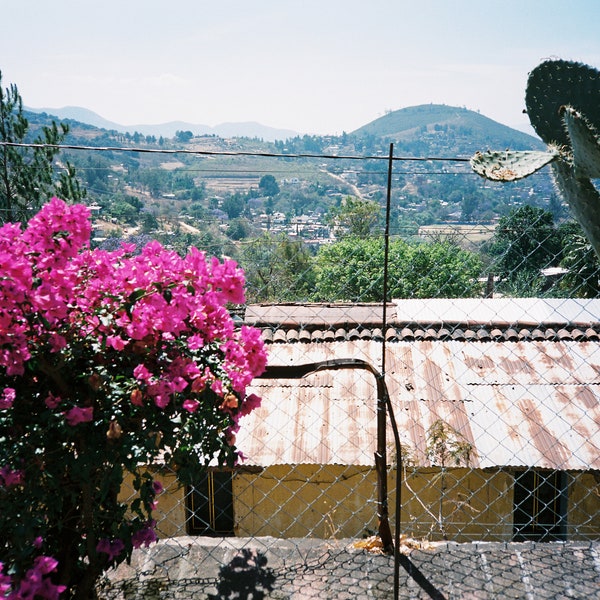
(136, 295)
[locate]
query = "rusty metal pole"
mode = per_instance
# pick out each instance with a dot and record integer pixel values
(302, 370)
(382, 395)
(385, 532)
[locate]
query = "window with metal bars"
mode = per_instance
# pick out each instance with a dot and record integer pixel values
(209, 504)
(540, 505)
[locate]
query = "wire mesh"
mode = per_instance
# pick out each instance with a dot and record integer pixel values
(492, 366)
(492, 360)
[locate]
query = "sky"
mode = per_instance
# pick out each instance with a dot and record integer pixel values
(311, 66)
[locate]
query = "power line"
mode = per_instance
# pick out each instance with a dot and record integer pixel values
(232, 153)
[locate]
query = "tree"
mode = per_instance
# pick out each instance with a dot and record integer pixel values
(582, 279)
(27, 174)
(268, 185)
(183, 136)
(356, 217)
(199, 192)
(525, 240)
(149, 222)
(234, 205)
(110, 362)
(239, 229)
(278, 269)
(353, 268)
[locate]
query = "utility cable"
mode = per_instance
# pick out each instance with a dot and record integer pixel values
(232, 153)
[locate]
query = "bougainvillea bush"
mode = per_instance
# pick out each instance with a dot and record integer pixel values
(109, 362)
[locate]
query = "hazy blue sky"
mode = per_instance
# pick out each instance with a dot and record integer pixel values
(314, 66)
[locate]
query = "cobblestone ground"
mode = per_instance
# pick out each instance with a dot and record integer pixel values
(265, 568)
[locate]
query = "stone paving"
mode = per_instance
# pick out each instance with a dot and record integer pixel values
(267, 568)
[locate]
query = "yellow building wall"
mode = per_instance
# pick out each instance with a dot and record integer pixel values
(457, 504)
(336, 501)
(324, 501)
(170, 512)
(340, 501)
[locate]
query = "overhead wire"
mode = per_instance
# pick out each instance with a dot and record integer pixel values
(233, 153)
(258, 154)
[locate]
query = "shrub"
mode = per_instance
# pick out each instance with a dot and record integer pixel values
(109, 361)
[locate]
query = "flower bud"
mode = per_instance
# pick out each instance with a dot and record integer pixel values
(115, 431)
(229, 402)
(136, 397)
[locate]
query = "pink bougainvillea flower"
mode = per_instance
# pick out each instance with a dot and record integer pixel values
(8, 477)
(7, 397)
(142, 327)
(57, 342)
(191, 405)
(141, 373)
(116, 342)
(217, 387)
(52, 401)
(77, 415)
(5, 582)
(178, 384)
(195, 342)
(251, 402)
(111, 547)
(145, 536)
(45, 564)
(35, 583)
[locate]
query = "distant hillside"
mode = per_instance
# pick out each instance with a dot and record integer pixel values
(447, 128)
(168, 130)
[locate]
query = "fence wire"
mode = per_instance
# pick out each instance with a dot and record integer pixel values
(490, 353)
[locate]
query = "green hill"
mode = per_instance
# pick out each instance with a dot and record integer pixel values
(447, 128)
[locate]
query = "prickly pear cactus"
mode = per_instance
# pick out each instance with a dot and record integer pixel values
(563, 104)
(585, 142)
(557, 83)
(510, 165)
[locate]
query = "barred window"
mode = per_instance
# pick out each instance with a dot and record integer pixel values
(209, 504)
(540, 505)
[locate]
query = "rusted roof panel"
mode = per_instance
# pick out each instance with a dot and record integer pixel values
(521, 403)
(319, 314)
(466, 311)
(508, 319)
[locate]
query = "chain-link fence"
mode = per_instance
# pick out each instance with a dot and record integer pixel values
(486, 364)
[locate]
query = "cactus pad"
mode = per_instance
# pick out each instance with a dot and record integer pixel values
(557, 83)
(510, 165)
(585, 142)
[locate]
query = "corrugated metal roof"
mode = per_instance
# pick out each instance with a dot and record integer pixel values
(518, 403)
(483, 311)
(508, 319)
(320, 314)
(527, 311)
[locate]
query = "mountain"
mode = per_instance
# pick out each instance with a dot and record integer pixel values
(447, 127)
(79, 114)
(423, 130)
(248, 129)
